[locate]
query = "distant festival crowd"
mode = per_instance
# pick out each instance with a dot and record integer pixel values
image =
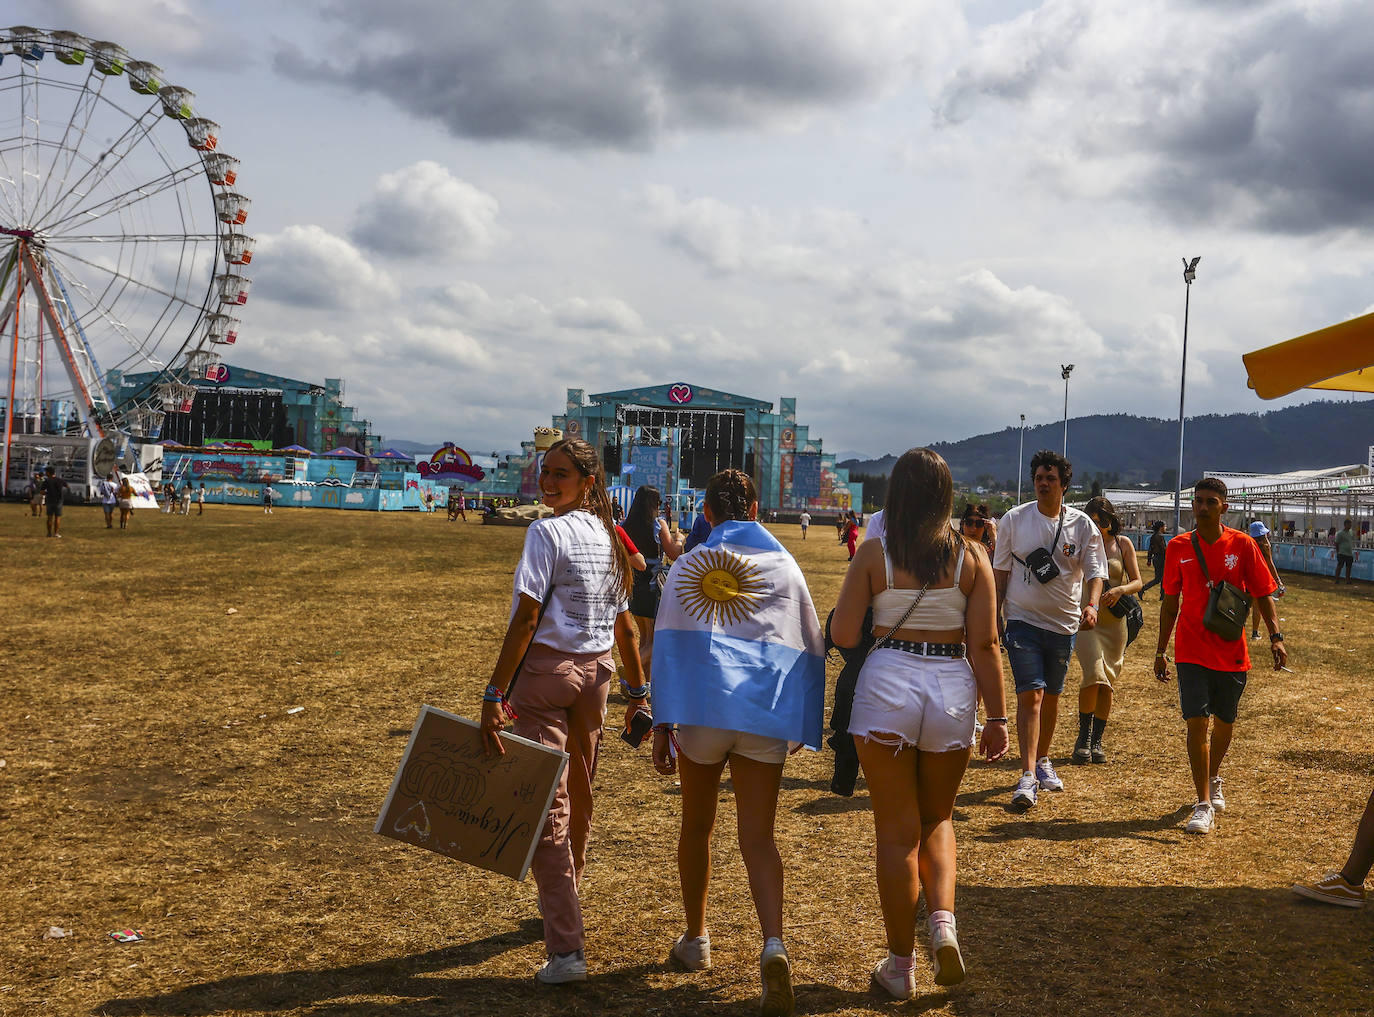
(724, 623)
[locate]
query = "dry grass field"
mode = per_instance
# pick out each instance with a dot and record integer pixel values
(153, 778)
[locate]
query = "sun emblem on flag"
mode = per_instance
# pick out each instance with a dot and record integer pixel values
(719, 587)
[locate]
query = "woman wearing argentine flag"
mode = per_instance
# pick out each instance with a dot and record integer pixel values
(934, 614)
(739, 666)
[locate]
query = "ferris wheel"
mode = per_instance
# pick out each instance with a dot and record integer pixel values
(122, 249)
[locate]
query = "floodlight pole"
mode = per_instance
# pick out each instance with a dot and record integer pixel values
(1021, 459)
(1064, 371)
(1189, 274)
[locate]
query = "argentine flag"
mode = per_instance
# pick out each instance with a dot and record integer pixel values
(737, 644)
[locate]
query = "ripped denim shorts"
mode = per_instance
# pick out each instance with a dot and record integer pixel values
(903, 700)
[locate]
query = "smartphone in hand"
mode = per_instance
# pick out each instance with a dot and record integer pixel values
(640, 726)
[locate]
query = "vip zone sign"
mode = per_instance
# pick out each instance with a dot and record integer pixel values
(450, 797)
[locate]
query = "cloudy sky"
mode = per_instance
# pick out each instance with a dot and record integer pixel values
(905, 214)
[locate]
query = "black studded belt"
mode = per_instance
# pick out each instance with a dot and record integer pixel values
(925, 649)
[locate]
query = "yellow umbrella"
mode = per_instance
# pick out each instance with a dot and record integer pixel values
(1339, 357)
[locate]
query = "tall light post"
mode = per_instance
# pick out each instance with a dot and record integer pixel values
(1189, 274)
(1064, 371)
(1021, 459)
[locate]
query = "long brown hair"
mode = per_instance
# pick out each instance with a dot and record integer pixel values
(585, 460)
(920, 501)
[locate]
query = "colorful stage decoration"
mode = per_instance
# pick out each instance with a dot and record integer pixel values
(451, 463)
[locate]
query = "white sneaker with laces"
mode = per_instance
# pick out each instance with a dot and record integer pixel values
(1218, 799)
(563, 967)
(1023, 797)
(1202, 819)
(1044, 773)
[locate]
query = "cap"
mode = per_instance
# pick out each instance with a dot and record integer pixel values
(1258, 529)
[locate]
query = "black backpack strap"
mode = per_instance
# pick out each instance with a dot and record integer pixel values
(1197, 550)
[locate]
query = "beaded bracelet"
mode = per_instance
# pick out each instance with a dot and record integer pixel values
(636, 694)
(495, 695)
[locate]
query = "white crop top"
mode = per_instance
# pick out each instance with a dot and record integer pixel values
(938, 609)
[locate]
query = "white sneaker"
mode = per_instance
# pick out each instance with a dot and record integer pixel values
(945, 955)
(1218, 799)
(563, 967)
(897, 984)
(693, 953)
(1023, 797)
(775, 974)
(1202, 819)
(1048, 779)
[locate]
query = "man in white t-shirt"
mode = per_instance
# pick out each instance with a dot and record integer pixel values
(876, 527)
(805, 520)
(1045, 553)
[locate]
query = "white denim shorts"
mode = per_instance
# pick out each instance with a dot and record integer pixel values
(707, 746)
(903, 700)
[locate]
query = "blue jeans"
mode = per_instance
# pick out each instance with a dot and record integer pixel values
(1039, 658)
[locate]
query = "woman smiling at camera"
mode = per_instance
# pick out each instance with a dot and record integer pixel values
(568, 608)
(933, 597)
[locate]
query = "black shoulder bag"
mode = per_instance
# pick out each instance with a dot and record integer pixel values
(1227, 606)
(1040, 562)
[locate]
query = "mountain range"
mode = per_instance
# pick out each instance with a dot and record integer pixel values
(1122, 450)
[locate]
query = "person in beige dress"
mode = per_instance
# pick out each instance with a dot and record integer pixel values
(1102, 650)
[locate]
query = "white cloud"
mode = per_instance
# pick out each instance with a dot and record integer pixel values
(604, 314)
(423, 210)
(310, 267)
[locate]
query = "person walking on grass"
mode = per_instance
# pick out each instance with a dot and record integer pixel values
(107, 491)
(1345, 551)
(1212, 670)
(805, 520)
(739, 667)
(1259, 533)
(1101, 650)
(1060, 564)
(933, 596)
(54, 492)
(1346, 887)
(1154, 554)
(575, 566)
(125, 502)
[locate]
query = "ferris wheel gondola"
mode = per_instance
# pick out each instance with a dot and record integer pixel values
(122, 248)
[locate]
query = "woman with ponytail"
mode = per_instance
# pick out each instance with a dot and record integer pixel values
(569, 607)
(935, 613)
(739, 666)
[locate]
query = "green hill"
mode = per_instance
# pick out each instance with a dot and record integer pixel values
(1124, 450)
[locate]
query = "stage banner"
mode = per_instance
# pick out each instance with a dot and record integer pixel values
(806, 476)
(652, 465)
(448, 796)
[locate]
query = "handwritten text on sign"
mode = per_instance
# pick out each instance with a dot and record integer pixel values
(449, 796)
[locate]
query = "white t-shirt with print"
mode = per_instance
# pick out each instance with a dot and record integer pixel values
(1079, 553)
(573, 553)
(804, 519)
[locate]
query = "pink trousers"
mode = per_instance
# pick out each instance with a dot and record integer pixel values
(561, 702)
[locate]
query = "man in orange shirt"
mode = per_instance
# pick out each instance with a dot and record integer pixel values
(1211, 670)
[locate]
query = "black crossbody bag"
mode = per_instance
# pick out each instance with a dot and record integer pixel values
(1040, 562)
(1227, 606)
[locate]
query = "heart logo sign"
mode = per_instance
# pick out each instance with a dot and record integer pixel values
(680, 394)
(414, 820)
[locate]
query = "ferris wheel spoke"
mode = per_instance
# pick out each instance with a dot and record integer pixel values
(138, 130)
(62, 205)
(133, 238)
(139, 348)
(127, 199)
(131, 280)
(87, 98)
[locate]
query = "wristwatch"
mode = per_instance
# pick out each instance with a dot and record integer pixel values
(1277, 637)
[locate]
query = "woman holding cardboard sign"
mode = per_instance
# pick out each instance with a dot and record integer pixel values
(569, 607)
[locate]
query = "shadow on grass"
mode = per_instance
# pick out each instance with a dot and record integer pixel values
(1028, 827)
(1355, 764)
(1157, 950)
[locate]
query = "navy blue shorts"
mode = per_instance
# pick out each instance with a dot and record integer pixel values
(1203, 692)
(1039, 658)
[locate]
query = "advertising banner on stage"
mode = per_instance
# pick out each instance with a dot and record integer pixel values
(450, 797)
(652, 465)
(806, 476)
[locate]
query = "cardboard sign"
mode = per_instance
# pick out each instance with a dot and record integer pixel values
(449, 796)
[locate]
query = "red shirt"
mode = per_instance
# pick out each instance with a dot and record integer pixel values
(630, 548)
(1234, 558)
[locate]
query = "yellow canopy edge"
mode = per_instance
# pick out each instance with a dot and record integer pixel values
(1338, 357)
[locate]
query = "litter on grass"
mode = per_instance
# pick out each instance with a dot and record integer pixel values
(127, 936)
